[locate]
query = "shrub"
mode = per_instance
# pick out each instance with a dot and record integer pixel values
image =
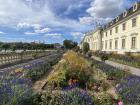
(104, 57)
(85, 47)
(103, 99)
(89, 54)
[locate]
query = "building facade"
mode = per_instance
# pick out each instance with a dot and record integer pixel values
(94, 39)
(121, 34)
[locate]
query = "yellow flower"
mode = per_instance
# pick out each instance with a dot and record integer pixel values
(19, 70)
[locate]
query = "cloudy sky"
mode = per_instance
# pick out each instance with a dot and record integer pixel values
(53, 21)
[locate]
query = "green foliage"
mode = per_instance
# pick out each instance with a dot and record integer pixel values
(69, 44)
(85, 47)
(25, 46)
(5, 46)
(103, 99)
(104, 57)
(72, 66)
(70, 97)
(37, 73)
(30, 99)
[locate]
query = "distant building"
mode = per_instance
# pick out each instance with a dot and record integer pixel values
(58, 46)
(120, 35)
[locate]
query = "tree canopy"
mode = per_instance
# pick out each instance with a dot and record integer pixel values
(69, 44)
(25, 46)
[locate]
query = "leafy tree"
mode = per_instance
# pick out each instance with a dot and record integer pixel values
(69, 44)
(85, 47)
(5, 46)
(25, 47)
(13, 47)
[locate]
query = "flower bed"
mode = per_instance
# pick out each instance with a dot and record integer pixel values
(126, 59)
(16, 83)
(129, 90)
(70, 97)
(112, 72)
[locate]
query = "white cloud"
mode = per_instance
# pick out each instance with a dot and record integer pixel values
(102, 11)
(1, 33)
(21, 14)
(30, 33)
(77, 35)
(53, 35)
(86, 20)
(25, 25)
(105, 8)
(44, 30)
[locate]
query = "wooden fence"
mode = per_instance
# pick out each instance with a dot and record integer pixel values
(9, 58)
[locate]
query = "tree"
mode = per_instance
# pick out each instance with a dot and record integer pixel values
(25, 47)
(85, 47)
(13, 47)
(5, 46)
(69, 44)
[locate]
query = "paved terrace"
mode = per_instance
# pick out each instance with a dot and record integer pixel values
(133, 70)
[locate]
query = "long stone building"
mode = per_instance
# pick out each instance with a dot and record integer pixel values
(120, 35)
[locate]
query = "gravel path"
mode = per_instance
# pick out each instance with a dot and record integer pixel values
(133, 70)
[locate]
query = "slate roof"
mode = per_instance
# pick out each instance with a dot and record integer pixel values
(121, 17)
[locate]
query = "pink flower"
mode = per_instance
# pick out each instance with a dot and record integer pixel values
(120, 103)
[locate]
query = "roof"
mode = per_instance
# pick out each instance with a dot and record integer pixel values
(121, 17)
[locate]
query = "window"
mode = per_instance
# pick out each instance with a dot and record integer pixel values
(116, 44)
(102, 35)
(106, 33)
(123, 43)
(116, 29)
(133, 42)
(110, 44)
(106, 44)
(110, 32)
(102, 44)
(124, 14)
(134, 22)
(117, 18)
(135, 7)
(123, 26)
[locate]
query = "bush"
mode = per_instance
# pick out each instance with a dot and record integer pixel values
(104, 57)
(89, 54)
(103, 99)
(85, 47)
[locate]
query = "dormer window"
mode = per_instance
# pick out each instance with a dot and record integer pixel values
(135, 7)
(125, 13)
(117, 18)
(111, 23)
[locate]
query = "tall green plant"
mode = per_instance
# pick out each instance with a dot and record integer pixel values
(86, 47)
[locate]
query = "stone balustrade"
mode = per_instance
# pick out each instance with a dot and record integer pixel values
(13, 57)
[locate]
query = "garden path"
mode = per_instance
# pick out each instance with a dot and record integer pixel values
(133, 70)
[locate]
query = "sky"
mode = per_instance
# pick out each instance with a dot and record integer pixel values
(52, 21)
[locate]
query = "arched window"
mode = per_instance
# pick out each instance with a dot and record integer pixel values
(135, 7)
